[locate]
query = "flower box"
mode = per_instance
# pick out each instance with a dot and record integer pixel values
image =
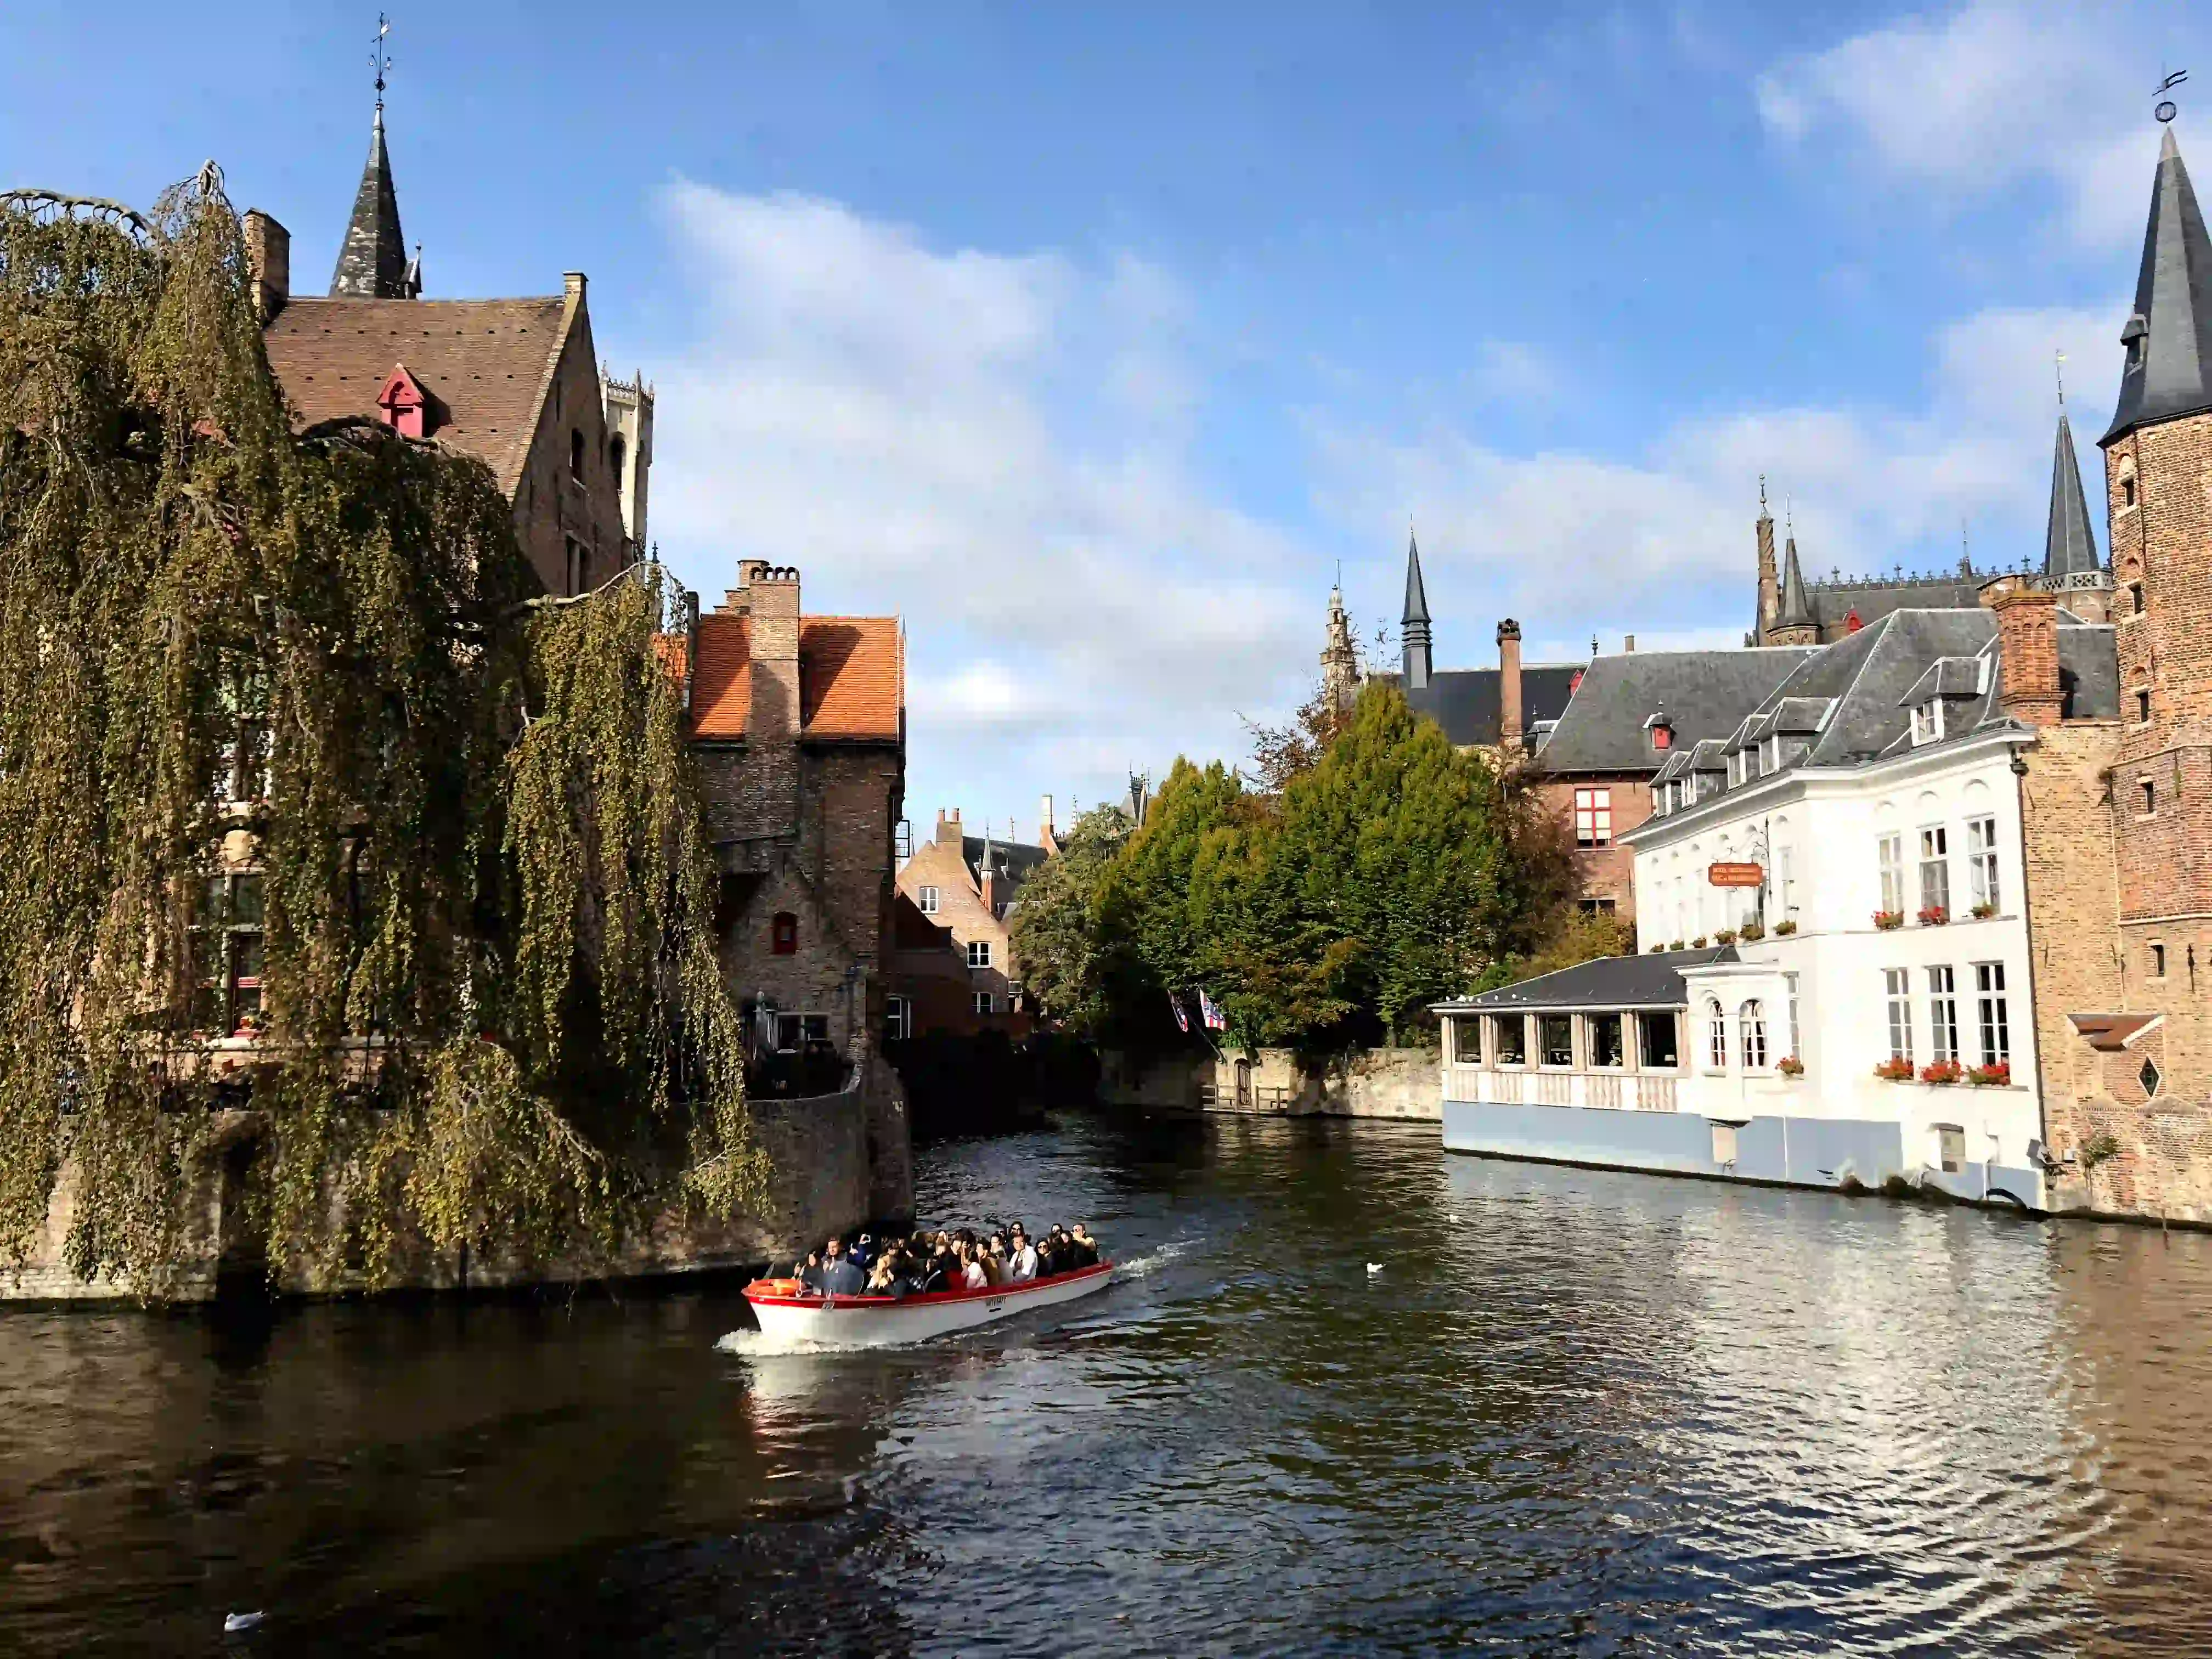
(1791, 1066)
(1998, 1076)
(1941, 1072)
(1698, 943)
(1934, 916)
(1783, 929)
(1676, 945)
(1985, 910)
(1750, 932)
(1726, 936)
(1889, 921)
(1896, 1069)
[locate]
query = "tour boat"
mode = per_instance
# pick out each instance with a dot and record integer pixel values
(787, 1315)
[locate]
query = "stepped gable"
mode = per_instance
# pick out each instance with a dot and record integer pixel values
(1705, 694)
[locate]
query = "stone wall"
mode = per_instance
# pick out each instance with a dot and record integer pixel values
(829, 1156)
(1388, 1083)
(553, 506)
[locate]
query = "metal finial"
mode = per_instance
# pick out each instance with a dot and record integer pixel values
(2165, 110)
(2061, 380)
(1762, 492)
(380, 59)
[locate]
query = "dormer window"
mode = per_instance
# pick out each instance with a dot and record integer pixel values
(403, 406)
(2132, 337)
(1928, 721)
(1661, 727)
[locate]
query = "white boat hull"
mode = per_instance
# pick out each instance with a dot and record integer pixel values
(871, 1322)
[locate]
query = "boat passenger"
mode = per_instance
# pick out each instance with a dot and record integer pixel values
(839, 1276)
(1086, 1248)
(1021, 1259)
(809, 1273)
(972, 1276)
(1047, 1255)
(864, 1252)
(993, 1257)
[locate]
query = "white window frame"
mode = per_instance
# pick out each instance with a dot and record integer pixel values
(1716, 1042)
(1943, 1012)
(927, 901)
(1897, 1006)
(1890, 852)
(1927, 721)
(978, 953)
(1936, 860)
(1751, 1029)
(983, 1003)
(1593, 818)
(1981, 859)
(1992, 1015)
(898, 1017)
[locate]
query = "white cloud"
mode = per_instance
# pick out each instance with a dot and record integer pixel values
(1983, 96)
(995, 447)
(1655, 544)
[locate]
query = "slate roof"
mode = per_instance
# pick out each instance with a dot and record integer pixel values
(2088, 672)
(2069, 545)
(1651, 980)
(487, 363)
(1706, 694)
(1833, 602)
(2170, 374)
(1947, 677)
(1794, 608)
(1465, 701)
(372, 258)
(848, 678)
(1014, 861)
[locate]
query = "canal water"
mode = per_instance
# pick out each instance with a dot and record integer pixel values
(1572, 1413)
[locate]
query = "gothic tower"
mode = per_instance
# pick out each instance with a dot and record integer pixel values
(2071, 567)
(1339, 663)
(629, 450)
(1769, 582)
(1793, 621)
(1414, 625)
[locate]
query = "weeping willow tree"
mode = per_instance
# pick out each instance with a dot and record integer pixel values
(283, 702)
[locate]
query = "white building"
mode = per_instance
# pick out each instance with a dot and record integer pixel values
(1875, 792)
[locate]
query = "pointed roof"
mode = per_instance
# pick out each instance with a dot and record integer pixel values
(2169, 338)
(2069, 546)
(1796, 610)
(372, 261)
(1417, 598)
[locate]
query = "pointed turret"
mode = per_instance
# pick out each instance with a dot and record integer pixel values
(2168, 369)
(372, 262)
(2069, 546)
(1794, 608)
(1414, 625)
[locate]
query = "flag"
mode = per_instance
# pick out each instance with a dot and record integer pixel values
(1183, 1019)
(1211, 1011)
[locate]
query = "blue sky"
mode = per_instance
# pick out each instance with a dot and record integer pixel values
(1089, 340)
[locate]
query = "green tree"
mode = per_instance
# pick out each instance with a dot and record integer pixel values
(1056, 936)
(1151, 942)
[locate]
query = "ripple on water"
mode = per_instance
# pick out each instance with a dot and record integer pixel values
(1591, 1413)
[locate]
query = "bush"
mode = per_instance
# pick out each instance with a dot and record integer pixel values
(2098, 1149)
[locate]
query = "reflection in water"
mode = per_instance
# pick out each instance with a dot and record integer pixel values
(1596, 1413)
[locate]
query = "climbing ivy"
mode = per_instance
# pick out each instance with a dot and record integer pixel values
(490, 1014)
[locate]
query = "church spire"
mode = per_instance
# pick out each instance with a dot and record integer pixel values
(1795, 609)
(1414, 625)
(372, 262)
(2168, 369)
(2069, 547)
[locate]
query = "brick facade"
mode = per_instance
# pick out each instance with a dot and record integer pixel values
(1605, 874)
(967, 887)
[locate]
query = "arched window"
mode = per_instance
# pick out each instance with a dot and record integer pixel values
(1715, 1036)
(576, 456)
(1752, 1020)
(615, 453)
(783, 934)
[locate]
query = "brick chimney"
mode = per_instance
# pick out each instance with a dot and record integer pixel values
(948, 827)
(771, 599)
(2027, 648)
(1044, 823)
(1509, 684)
(268, 262)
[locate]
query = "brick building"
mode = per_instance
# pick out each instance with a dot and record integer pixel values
(515, 383)
(2118, 811)
(798, 725)
(966, 888)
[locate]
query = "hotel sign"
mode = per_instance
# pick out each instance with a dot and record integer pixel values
(1737, 875)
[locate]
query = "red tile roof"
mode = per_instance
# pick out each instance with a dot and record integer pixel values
(848, 678)
(487, 363)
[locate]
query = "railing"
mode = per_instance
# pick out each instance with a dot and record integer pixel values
(1641, 1092)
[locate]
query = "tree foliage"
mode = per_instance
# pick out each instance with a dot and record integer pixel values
(489, 1012)
(1065, 966)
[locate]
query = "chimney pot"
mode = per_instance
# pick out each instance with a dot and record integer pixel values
(2027, 648)
(269, 261)
(1628, 642)
(1509, 684)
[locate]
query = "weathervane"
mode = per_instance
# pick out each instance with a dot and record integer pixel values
(2061, 380)
(2165, 110)
(380, 59)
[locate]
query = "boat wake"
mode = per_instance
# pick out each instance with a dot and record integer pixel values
(757, 1345)
(1151, 1262)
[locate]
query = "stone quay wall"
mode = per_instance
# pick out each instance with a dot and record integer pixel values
(821, 1184)
(1403, 1084)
